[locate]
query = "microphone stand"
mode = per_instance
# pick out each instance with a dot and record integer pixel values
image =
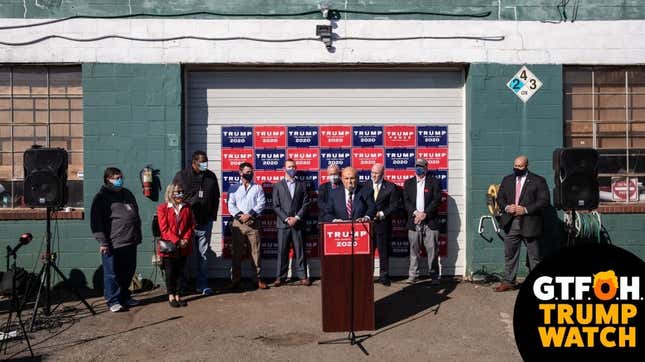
(14, 305)
(352, 338)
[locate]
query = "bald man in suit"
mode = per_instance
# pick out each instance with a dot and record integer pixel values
(522, 197)
(350, 202)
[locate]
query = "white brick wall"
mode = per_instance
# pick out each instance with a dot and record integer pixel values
(582, 42)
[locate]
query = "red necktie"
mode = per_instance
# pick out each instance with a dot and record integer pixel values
(518, 190)
(348, 206)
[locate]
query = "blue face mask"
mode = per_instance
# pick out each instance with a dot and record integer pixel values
(291, 172)
(178, 196)
(420, 171)
(203, 166)
(117, 183)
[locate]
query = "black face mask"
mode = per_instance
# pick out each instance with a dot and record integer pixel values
(520, 173)
(248, 176)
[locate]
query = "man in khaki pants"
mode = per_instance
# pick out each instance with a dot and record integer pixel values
(246, 202)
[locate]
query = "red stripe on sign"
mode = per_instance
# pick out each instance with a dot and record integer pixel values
(365, 158)
(437, 157)
(233, 157)
(307, 159)
(270, 136)
(400, 136)
(335, 136)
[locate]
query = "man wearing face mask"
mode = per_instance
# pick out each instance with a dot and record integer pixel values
(116, 225)
(333, 174)
(290, 203)
(245, 202)
(387, 199)
(522, 197)
(421, 196)
(202, 194)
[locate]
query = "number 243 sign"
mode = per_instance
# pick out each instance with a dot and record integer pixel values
(524, 84)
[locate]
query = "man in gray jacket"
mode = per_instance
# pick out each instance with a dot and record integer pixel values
(290, 202)
(116, 225)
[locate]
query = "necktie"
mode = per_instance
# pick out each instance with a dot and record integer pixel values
(518, 190)
(377, 188)
(348, 206)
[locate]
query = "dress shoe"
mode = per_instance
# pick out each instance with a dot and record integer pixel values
(504, 287)
(182, 303)
(262, 285)
(277, 283)
(306, 282)
(173, 303)
(385, 281)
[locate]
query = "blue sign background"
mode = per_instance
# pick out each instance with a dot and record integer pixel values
(302, 136)
(432, 136)
(395, 158)
(269, 159)
(367, 136)
(310, 178)
(237, 137)
(340, 156)
(230, 178)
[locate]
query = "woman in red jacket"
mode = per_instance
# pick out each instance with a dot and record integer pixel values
(176, 225)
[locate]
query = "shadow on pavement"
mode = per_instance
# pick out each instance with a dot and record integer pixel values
(410, 301)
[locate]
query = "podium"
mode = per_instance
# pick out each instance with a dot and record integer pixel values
(338, 291)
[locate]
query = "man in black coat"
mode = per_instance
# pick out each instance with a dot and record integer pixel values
(290, 203)
(522, 198)
(202, 193)
(387, 199)
(421, 197)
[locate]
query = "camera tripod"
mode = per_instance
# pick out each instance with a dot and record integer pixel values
(44, 289)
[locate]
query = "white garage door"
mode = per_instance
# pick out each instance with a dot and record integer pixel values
(331, 96)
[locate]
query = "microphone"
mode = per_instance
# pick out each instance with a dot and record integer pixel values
(23, 240)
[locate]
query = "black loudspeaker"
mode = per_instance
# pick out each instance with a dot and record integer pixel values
(576, 179)
(45, 183)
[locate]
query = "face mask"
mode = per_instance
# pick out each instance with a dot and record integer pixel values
(118, 183)
(518, 172)
(178, 196)
(334, 179)
(420, 171)
(203, 166)
(291, 172)
(248, 176)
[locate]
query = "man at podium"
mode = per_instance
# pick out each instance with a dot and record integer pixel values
(351, 202)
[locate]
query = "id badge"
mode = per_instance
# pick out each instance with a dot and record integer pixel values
(200, 194)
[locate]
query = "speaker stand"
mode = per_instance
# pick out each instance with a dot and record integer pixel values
(44, 289)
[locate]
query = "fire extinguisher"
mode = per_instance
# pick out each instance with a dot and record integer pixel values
(146, 180)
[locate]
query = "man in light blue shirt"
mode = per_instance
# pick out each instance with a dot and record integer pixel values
(246, 202)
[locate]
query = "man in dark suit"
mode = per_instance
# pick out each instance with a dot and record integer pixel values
(421, 196)
(387, 199)
(290, 202)
(350, 202)
(333, 174)
(522, 197)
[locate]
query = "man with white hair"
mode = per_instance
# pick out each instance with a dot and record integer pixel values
(387, 200)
